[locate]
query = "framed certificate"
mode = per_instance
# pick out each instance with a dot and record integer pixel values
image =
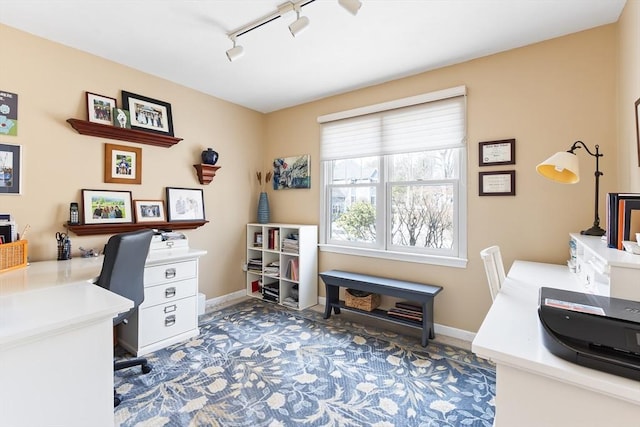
(499, 183)
(501, 152)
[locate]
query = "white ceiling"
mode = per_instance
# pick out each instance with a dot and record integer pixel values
(184, 41)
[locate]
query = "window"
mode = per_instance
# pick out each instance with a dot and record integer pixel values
(394, 181)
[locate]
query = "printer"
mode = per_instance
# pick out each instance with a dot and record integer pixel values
(598, 332)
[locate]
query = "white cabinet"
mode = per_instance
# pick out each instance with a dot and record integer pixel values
(603, 270)
(282, 263)
(169, 312)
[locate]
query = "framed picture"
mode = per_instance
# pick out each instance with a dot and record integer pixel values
(257, 239)
(500, 183)
(492, 153)
(100, 108)
(638, 127)
(8, 113)
(121, 118)
(185, 204)
(148, 114)
(149, 210)
(291, 172)
(105, 206)
(10, 168)
(122, 165)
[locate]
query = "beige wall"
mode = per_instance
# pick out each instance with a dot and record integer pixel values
(547, 96)
(628, 93)
(51, 81)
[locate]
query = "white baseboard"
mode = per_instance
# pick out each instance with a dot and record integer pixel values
(448, 331)
(212, 302)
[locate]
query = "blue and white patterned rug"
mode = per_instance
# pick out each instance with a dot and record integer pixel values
(261, 365)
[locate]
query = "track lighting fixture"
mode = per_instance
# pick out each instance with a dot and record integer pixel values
(296, 27)
(300, 24)
(235, 52)
(351, 5)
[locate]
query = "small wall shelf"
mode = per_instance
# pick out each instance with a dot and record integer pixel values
(95, 229)
(206, 172)
(132, 135)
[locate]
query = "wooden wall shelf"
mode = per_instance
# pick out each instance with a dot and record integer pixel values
(132, 135)
(206, 172)
(95, 229)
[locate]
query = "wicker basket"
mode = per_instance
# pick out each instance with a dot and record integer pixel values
(13, 255)
(367, 302)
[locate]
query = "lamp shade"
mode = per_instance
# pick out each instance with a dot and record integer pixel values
(561, 167)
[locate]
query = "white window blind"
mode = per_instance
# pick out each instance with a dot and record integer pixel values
(425, 126)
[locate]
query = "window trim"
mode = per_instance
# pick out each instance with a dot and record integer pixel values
(459, 261)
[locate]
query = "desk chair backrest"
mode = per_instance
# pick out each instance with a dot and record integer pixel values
(494, 268)
(123, 267)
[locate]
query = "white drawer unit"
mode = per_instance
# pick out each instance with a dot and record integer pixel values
(169, 312)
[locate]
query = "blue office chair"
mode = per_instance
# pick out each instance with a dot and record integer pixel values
(123, 273)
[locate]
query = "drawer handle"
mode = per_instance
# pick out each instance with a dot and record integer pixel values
(170, 273)
(170, 308)
(170, 320)
(170, 292)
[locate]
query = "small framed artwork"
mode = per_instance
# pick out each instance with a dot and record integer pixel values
(106, 206)
(499, 183)
(8, 113)
(492, 153)
(291, 172)
(149, 210)
(148, 114)
(100, 108)
(257, 239)
(638, 127)
(185, 204)
(122, 165)
(10, 168)
(121, 118)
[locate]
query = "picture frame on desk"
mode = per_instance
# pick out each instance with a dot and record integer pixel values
(122, 164)
(149, 211)
(148, 114)
(11, 172)
(100, 108)
(106, 207)
(185, 204)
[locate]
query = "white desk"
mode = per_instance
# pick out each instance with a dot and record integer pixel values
(56, 345)
(534, 387)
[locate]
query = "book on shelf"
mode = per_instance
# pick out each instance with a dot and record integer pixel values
(403, 315)
(255, 265)
(272, 269)
(290, 243)
(292, 269)
(617, 226)
(409, 306)
(274, 239)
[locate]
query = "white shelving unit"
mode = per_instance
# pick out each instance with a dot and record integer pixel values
(605, 271)
(282, 263)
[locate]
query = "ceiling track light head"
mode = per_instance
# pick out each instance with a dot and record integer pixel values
(235, 52)
(300, 24)
(352, 6)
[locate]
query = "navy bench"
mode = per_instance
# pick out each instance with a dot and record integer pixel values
(418, 292)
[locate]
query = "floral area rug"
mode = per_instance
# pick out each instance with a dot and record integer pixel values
(258, 364)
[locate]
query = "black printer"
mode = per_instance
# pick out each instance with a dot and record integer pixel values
(595, 331)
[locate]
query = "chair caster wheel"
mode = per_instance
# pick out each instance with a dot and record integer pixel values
(146, 368)
(116, 401)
